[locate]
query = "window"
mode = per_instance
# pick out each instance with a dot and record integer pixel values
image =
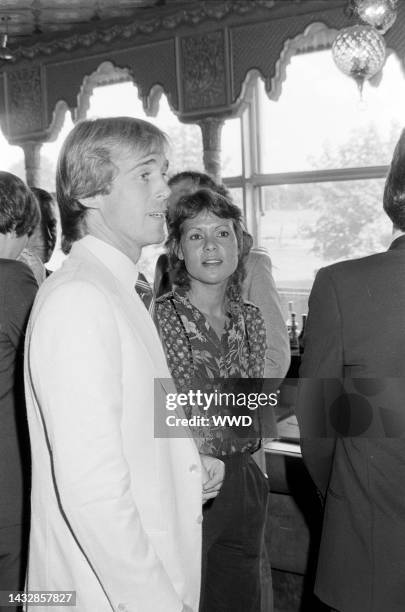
(237, 196)
(307, 225)
(50, 152)
(49, 156)
(312, 171)
(231, 159)
(312, 166)
(321, 122)
(11, 158)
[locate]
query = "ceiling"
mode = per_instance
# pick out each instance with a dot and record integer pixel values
(29, 21)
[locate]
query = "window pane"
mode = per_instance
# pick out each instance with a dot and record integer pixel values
(50, 153)
(237, 196)
(57, 256)
(11, 158)
(320, 121)
(308, 226)
(231, 148)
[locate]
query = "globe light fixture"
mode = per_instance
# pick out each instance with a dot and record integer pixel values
(359, 51)
(381, 14)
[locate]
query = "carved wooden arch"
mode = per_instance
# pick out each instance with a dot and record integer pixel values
(151, 103)
(316, 36)
(58, 119)
(108, 73)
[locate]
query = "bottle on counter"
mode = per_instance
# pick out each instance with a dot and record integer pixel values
(288, 322)
(293, 335)
(301, 334)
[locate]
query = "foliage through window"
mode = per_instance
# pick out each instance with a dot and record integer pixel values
(313, 193)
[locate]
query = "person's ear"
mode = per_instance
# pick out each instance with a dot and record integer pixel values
(91, 201)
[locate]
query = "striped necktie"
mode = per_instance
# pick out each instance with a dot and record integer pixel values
(144, 290)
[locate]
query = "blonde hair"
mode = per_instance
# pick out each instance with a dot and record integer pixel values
(85, 167)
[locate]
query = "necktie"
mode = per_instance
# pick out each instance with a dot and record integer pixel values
(144, 290)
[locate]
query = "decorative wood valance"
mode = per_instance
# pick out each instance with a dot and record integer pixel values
(202, 58)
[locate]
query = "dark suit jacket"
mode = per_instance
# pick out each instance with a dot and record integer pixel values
(17, 291)
(351, 411)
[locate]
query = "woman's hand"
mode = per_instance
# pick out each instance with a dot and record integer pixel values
(213, 472)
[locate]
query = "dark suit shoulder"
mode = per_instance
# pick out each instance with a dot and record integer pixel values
(17, 285)
(18, 288)
(354, 267)
(16, 272)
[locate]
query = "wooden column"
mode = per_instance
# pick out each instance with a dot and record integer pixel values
(32, 162)
(211, 133)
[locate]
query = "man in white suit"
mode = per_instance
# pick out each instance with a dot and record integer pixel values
(116, 513)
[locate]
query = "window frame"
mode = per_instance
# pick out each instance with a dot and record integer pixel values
(252, 179)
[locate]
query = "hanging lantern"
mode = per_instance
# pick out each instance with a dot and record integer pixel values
(359, 52)
(380, 14)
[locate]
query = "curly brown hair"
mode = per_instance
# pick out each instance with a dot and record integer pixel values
(19, 209)
(188, 207)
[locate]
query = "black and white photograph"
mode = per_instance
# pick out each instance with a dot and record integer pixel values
(202, 305)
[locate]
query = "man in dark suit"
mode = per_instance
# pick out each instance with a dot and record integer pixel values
(351, 412)
(19, 214)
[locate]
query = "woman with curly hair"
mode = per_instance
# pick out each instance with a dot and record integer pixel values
(212, 337)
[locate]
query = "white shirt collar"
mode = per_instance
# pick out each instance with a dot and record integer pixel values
(396, 234)
(121, 266)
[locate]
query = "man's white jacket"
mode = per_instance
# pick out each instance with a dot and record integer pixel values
(116, 512)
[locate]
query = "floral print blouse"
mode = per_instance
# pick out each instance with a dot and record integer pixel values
(197, 358)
